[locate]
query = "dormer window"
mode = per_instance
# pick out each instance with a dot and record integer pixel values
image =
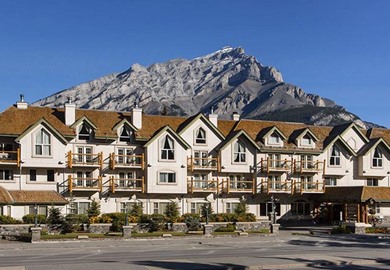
(125, 135)
(274, 138)
(85, 132)
(200, 136)
(167, 149)
(239, 152)
(42, 143)
(377, 160)
(306, 140)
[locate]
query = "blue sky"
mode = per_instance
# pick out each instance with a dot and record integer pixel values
(336, 48)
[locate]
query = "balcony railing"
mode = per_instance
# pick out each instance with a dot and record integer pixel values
(311, 166)
(121, 184)
(309, 187)
(84, 184)
(10, 157)
(209, 163)
(129, 161)
(281, 165)
(76, 159)
(245, 186)
(195, 185)
(270, 186)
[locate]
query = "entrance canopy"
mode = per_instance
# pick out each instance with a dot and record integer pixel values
(355, 194)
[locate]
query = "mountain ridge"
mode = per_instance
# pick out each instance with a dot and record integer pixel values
(226, 80)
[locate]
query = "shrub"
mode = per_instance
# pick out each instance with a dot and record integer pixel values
(223, 217)
(241, 208)
(136, 210)
(30, 219)
(153, 223)
(55, 216)
(228, 228)
(72, 222)
(117, 220)
(247, 217)
(8, 220)
(193, 222)
(342, 229)
(172, 211)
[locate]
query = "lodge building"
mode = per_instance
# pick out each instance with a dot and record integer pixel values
(68, 157)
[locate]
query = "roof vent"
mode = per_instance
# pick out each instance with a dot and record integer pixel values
(21, 104)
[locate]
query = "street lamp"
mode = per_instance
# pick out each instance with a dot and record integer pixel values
(35, 215)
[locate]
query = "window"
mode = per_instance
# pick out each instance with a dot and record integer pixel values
(274, 160)
(377, 158)
(42, 143)
(330, 181)
(307, 162)
(239, 152)
(201, 158)
(274, 182)
(33, 175)
(125, 156)
(167, 150)
(300, 208)
(128, 179)
(334, 156)
(307, 183)
(235, 181)
(266, 208)
(84, 154)
(200, 136)
(127, 205)
(85, 132)
(372, 182)
(196, 207)
(159, 207)
(84, 179)
(306, 140)
(125, 135)
(167, 178)
(80, 208)
(274, 138)
(231, 206)
(1, 211)
(200, 180)
(6, 174)
(41, 209)
(50, 175)
(5, 147)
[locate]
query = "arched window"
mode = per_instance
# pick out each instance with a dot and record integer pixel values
(125, 135)
(334, 156)
(377, 158)
(42, 143)
(167, 149)
(200, 136)
(239, 152)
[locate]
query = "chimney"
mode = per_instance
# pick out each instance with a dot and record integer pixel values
(70, 112)
(213, 117)
(236, 116)
(136, 116)
(21, 104)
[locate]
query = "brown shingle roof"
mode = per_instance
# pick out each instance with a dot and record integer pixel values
(356, 194)
(379, 133)
(37, 197)
(5, 198)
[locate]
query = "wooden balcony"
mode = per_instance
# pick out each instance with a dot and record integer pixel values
(309, 187)
(85, 160)
(275, 165)
(84, 184)
(240, 186)
(212, 185)
(126, 161)
(314, 166)
(10, 157)
(120, 184)
(269, 186)
(209, 163)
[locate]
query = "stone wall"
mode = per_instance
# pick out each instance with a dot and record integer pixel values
(98, 228)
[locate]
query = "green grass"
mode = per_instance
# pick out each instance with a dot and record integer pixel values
(157, 234)
(74, 236)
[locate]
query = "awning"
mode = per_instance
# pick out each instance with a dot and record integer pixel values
(355, 194)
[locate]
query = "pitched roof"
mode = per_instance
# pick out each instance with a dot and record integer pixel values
(234, 135)
(379, 133)
(355, 194)
(183, 126)
(26, 197)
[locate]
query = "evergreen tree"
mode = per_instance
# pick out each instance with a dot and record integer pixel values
(94, 209)
(54, 216)
(172, 211)
(136, 210)
(241, 208)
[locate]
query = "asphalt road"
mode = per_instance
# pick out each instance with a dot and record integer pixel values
(286, 251)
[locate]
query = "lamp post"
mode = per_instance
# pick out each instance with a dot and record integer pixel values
(127, 216)
(35, 215)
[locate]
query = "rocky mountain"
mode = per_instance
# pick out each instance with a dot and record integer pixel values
(227, 80)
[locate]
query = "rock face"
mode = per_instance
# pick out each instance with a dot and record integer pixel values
(227, 80)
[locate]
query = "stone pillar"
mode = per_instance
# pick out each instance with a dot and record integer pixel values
(36, 234)
(275, 228)
(357, 228)
(207, 229)
(126, 231)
